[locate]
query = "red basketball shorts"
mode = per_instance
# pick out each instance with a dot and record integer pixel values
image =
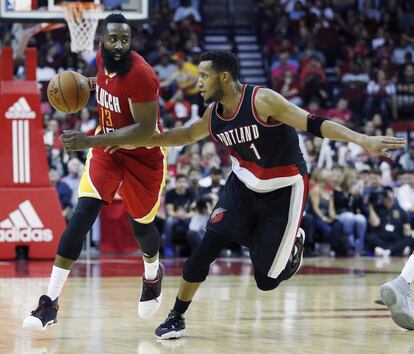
(139, 180)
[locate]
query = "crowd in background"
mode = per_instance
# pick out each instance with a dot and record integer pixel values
(351, 61)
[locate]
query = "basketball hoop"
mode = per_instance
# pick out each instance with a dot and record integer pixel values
(82, 19)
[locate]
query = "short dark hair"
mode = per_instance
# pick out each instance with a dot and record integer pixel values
(114, 18)
(181, 175)
(223, 61)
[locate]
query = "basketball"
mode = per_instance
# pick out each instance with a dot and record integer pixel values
(68, 91)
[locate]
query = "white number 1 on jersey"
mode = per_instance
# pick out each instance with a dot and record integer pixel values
(253, 147)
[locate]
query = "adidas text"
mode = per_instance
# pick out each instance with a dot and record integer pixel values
(26, 235)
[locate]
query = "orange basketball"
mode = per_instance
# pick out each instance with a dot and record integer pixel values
(68, 91)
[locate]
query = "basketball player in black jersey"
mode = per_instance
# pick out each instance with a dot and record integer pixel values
(262, 203)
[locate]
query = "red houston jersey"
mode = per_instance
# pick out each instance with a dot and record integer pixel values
(115, 94)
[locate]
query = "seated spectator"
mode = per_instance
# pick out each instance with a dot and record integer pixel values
(87, 123)
(380, 93)
(64, 192)
(194, 185)
(405, 196)
(209, 156)
(197, 226)
(289, 88)
(185, 77)
(390, 233)
(283, 65)
(354, 83)
(179, 108)
(72, 180)
(347, 197)
(215, 187)
(407, 159)
(340, 113)
(374, 187)
(185, 11)
(177, 204)
(323, 210)
(313, 80)
(165, 69)
(404, 100)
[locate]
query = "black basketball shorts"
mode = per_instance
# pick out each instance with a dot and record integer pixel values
(266, 223)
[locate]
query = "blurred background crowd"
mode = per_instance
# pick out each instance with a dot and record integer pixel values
(350, 61)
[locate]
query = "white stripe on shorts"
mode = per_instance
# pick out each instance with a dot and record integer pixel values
(288, 239)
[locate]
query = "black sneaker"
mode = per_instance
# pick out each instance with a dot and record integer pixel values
(297, 257)
(172, 328)
(44, 315)
(151, 295)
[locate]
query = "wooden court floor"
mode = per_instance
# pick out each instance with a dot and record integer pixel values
(327, 308)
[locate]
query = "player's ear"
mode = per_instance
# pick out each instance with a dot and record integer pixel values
(225, 76)
(100, 40)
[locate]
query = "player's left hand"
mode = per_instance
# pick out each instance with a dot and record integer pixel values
(380, 145)
(74, 140)
(112, 149)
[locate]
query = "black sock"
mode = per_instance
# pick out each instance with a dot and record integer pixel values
(181, 306)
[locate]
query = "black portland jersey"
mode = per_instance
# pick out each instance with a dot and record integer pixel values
(265, 156)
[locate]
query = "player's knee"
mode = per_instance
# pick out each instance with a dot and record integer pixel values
(193, 271)
(266, 283)
(147, 236)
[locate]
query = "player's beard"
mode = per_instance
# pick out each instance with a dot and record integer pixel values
(121, 67)
(217, 95)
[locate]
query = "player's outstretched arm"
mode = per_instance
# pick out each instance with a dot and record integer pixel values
(175, 137)
(269, 103)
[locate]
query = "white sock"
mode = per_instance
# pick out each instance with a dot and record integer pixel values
(57, 280)
(151, 269)
(408, 271)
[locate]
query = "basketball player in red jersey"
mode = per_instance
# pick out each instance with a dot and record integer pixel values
(127, 96)
(262, 203)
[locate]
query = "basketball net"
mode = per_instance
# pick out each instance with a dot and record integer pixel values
(82, 19)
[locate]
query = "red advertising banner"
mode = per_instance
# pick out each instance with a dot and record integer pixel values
(30, 217)
(30, 212)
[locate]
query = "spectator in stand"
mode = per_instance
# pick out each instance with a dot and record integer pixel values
(380, 96)
(407, 159)
(404, 46)
(354, 84)
(405, 196)
(404, 100)
(177, 204)
(209, 156)
(214, 188)
(314, 107)
(185, 11)
(347, 196)
(391, 233)
(87, 124)
(340, 113)
(285, 64)
(178, 107)
(289, 88)
(323, 210)
(313, 80)
(72, 180)
(194, 182)
(64, 192)
(165, 68)
(185, 76)
(198, 222)
(327, 38)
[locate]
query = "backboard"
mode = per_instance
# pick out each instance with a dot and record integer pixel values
(49, 10)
